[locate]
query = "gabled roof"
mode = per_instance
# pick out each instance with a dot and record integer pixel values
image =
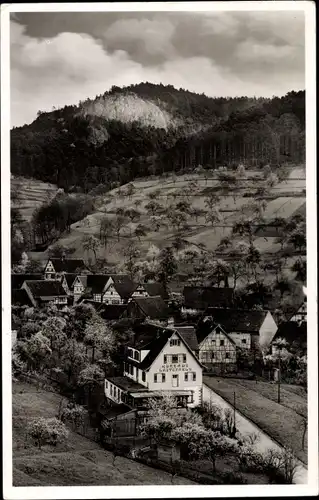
(201, 297)
(153, 338)
(95, 282)
(67, 265)
(123, 285)
(20, 297)
(17, 280)
(46, 288)
(70, 279)
(152, 307)
(292, 332)
(108, 311)
(203, 333)
(237, 320)
(155, 289)
(189, 336)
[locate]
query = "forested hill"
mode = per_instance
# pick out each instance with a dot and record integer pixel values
(148, 129)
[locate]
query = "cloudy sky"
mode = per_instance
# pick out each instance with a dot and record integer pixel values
(60, 58)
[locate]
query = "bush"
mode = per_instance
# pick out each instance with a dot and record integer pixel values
(47, 431)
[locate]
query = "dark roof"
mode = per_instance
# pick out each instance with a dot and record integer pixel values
(237, 320)
(154, 289)
(152, 307)
(67, 265)
(201, 297)
(70, 278)
(123, 285)
(17, 280)
(46, 288)
(292, 332)
(176, 286)
(204, 331)
(153, 337)
(108, 311)
(20, 297)
(189, 335)
(97, 282)
(126, 384)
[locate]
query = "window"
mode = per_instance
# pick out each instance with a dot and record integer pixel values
(143, 376)
(174, 342)
(222, 342)
(244, 341)
(182, 358)
(227, 355)
(213, 355)
(175, 380)
(111, 390)
(115, 301)
(49, 276)
(175, 358)
(106, 384)
(115, 392)
(194, 376)
(167, 358)
(186, 377)
(130, 353)
(137, 355)
(155, 377)
(163, 377)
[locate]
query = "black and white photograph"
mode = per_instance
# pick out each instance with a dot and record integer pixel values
(158, 221)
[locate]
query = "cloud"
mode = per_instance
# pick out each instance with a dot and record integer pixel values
(222, 54)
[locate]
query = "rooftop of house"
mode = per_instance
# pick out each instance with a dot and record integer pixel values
(126, 384)
(67, 265)
(152, 307)
(204, 332)
(123, 285)
(153, 338)
(189, 335)
(155, 289)
(70, 277)
(19, 297)
(17, 280)
(95, 283)
(201, 297)
(46, 288)
(110, 412)
(108, 311)
(234, 320)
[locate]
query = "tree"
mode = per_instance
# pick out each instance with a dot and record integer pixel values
(98, 336)
(140, 231)
(131, 254)
(91, 377)
(119, 222)
(298, 239)
(211, 201)
(75, 414)
(35, 351)
(213, 216)
(53, 329)
(283, 286)
(220, 271)
(47, 431)
(167, 264)
(244, 227)
(153, 207)
(91, 243)
(300, 268)
(73, 358)
(132, 214)
(106, 229)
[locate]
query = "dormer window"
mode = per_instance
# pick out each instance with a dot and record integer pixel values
(136, 355)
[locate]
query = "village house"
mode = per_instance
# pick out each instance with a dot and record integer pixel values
(109, 312)
(153, 308)
(216, 348)
(151, 290)
(20, 298)
(107, 288)
(43, 292)
(250, 329)
(158, 359)
(300, 315)
(199, 298)
(67, 282)
(55, 268)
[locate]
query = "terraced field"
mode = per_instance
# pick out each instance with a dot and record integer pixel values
(32, 193)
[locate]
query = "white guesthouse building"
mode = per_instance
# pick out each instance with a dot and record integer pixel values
(158, 360)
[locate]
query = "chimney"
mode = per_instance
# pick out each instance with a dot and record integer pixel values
(170, 322)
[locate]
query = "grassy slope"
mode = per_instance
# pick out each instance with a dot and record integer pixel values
(75, 463)
(199, 232)
(32, 193)
(283, 422)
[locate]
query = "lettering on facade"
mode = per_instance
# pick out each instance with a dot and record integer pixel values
(178, 367)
